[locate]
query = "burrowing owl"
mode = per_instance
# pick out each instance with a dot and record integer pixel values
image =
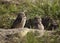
(20, 21)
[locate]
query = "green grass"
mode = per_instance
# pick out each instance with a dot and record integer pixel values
(31, 38)
(8, 12)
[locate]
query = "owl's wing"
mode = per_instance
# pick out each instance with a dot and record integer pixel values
(16, 22)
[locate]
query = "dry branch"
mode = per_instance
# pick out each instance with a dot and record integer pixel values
(8, 35)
